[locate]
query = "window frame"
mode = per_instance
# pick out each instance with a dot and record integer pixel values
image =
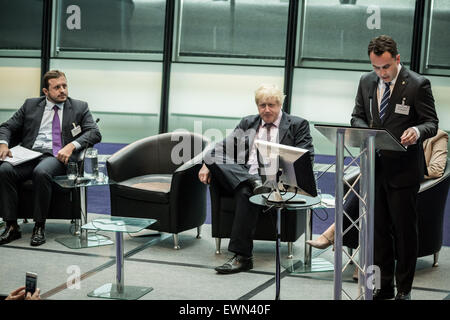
(105, 55)
(425, 50)
(177, 57)
(323, 63)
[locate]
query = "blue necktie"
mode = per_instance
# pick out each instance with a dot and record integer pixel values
(385, 100)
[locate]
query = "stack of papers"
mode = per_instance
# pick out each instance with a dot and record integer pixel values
(21, 155)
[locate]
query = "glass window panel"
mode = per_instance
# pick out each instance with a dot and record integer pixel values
(110, 26)
(234, 28)
(340, 30)
(20, 24)
(439, 53)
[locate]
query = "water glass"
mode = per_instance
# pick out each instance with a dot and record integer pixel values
(101, 177)
(91, 163)
(72, 170)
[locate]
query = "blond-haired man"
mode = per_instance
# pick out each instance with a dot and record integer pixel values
(234, 164)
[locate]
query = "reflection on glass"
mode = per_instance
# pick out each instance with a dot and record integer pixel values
(111, 25)
(340, 30)
(21, 24)
(72, 170)
(439, 53)
(235, 28)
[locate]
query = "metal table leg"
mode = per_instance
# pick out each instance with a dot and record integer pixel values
(83, 239)
(277, 263)
(119, 290)
(308, 264)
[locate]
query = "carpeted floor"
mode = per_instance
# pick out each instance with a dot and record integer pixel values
(98, 197)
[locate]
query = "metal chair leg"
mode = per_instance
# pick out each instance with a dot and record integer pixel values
(176, 246)
(290, 250)
(435, 259)
(218, 240)
(199, 232)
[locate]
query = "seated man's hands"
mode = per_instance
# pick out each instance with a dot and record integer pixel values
(4, 152)
(65, 153)
(204, 175)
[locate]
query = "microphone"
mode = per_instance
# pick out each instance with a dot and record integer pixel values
(372, 89)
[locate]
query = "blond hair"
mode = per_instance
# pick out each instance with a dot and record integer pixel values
(266, 91)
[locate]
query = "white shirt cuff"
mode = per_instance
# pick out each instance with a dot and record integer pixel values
(77, 145)
(418, 133)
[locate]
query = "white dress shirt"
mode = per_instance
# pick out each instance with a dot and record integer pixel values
(262, 135)
(380, 92)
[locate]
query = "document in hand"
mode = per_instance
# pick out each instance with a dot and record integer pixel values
(21, 155)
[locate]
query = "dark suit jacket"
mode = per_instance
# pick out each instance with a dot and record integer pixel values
(23, 126)
(293, 131)
(401, 169)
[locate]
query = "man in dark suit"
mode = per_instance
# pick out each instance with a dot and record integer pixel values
(55, 125)
(401, 101)
(234, 164)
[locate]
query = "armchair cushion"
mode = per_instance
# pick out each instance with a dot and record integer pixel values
(149, 188)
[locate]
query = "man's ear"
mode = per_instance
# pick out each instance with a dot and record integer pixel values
(45, 91)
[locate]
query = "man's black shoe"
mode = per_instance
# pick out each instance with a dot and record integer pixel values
(403, 296)
(12, 232)
(383, 294)
(236, 264)
(258, 187)
(38, 236)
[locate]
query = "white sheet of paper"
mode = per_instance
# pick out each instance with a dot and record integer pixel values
(21, 155)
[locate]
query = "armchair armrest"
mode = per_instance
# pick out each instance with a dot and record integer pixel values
(430, 183)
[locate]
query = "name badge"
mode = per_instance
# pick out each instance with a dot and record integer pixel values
(402, 109)
(76, 130)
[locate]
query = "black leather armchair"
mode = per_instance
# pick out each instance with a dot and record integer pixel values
(292, 224)
(150, 185)
(431, 209)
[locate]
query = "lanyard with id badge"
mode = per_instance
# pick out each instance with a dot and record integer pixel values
(402, 108)
(76, 130)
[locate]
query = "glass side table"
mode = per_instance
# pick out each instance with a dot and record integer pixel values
(82, 239)
(119, 225)
(311, 264)
(298, 201)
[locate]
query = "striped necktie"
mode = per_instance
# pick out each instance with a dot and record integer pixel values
(385, 100)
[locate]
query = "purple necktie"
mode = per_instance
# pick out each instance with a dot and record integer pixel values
(56, 132)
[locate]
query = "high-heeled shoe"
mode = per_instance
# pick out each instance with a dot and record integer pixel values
(322, 242)
(325, 240)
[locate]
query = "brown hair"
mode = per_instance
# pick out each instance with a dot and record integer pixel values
(381, 44)
(52, 74)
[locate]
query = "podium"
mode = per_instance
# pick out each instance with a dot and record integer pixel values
(368, 140)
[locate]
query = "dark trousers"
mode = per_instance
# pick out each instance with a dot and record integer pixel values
(41, 172)
(395, 234)
(234, 178)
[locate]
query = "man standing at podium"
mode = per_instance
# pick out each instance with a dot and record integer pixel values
(401, 101)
